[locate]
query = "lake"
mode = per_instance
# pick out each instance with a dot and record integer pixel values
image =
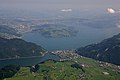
(87, 35)
(28, 61)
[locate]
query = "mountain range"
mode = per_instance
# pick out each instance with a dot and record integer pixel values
(108, 50)
(14, 48)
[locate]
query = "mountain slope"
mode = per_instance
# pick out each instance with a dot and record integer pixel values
(66, 70)
(12, 48)
(108, 50)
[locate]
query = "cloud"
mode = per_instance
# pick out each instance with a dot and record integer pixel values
(118, 25)
(66, 10)
(110, 10)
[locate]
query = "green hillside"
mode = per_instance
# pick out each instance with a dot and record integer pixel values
(88, 69)
(108, 50)
(14, 48)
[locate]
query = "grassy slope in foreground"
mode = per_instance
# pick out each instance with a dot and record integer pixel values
(63, 71)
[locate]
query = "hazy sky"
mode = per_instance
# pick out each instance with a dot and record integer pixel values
(55, 7)
(57, 4)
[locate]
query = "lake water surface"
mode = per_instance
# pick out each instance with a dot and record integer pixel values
(86, 35)
(28, 61)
